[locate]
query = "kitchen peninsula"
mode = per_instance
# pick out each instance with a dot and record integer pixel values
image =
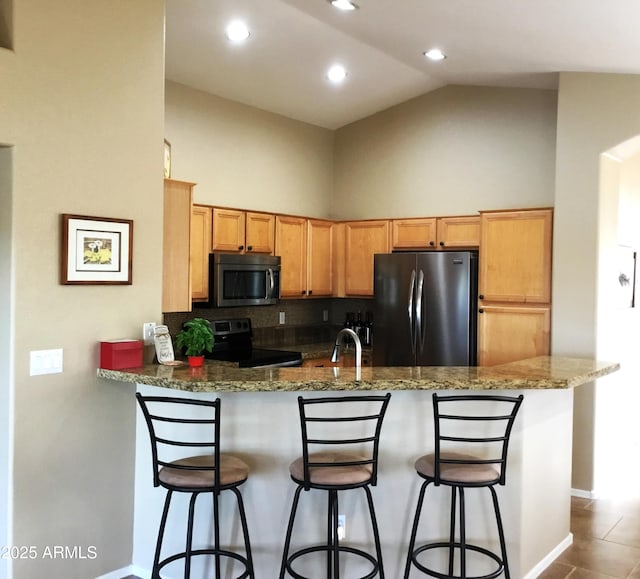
(260, 423)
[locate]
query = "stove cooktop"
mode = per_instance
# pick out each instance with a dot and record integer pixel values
(233, 343)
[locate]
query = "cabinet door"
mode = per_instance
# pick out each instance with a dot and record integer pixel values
(200, 249)
(510, 333)
(458, 231)
(363, 239)
(413, 233)
(260, 233)
(291, 246)
(176, 275)
(515, 256)
(320, 258)
(228, 230)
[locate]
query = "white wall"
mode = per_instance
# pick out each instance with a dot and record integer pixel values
(453, 151)
(81, 102)
(595, 113)
(6, 355)
(240, 156)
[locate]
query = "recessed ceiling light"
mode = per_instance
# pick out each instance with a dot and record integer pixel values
(336, 73)
(237, 31)
(343, 4)
(435, 54)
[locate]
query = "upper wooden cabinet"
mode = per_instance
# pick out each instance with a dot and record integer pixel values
(176, 274)
(305, 248)
(201, 218)
(291, 246)
(363, 239)
(436, 233)
(413, 233)
(320, 258)
(515, 256)
(237, 231)
(453, 232)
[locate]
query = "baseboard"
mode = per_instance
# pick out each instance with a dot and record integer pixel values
(125, 572)
(584, 494)
(550, 558)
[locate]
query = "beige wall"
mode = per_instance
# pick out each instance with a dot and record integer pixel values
(595, 113)
(81, 102)
(243, 157)
(452, 151)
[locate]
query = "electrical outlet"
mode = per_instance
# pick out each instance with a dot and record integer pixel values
(282, 318)
(148, 332)
(45, 362)
(325, 315)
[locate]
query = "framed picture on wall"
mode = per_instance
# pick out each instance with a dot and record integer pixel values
(626, 276)
(95, 250)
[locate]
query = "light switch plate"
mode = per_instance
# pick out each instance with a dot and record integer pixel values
(45, 362)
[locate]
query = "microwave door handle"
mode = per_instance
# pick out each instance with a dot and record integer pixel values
(270, 283)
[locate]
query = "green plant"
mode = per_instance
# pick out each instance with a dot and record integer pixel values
(195, 338)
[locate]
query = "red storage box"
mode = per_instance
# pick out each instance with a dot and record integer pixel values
(119, 354)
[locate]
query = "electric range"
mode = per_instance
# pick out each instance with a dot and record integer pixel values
(233, 342)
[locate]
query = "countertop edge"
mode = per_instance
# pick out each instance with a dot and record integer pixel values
(542, 373)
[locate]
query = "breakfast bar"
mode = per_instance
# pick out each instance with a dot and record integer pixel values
(260, 424)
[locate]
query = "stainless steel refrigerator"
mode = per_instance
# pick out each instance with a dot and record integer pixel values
(425, 308)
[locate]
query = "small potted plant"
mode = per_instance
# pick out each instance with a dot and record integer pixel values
(195, 339)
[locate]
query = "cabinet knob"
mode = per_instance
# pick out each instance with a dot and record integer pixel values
(431, 243)
(310, 292)
(442, 244)
(303, 292)
(240, 247)
(249, 247)
(481, 311)
(481, 297)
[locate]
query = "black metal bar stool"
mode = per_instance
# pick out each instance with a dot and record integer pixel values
(348, 427)
(483, 423)
(171, 422)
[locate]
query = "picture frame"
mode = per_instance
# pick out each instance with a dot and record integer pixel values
(626, 277)
(167, 159)
(96, 250)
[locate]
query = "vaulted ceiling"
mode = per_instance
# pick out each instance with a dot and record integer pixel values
(282, 66)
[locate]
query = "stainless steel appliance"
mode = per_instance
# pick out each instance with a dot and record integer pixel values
(425, 308)
(243, 280)
(233, 343)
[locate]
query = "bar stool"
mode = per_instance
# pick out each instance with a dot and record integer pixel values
(171, 422)
(348, 428)
(483, 423)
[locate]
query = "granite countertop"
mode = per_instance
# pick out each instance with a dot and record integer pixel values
(544, 372)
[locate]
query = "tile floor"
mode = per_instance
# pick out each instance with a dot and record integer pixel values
(606, 541)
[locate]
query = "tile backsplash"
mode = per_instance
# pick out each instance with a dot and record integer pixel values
(303, 319)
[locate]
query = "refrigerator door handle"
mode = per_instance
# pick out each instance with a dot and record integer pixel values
(412, 285)
(420, 323)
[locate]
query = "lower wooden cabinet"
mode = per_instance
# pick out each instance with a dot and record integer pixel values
(508, 333)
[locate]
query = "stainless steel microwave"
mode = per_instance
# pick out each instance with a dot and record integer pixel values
(243, 280)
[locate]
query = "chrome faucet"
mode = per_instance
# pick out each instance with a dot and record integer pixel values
(335, 356)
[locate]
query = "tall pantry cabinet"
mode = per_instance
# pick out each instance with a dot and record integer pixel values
(514, 296)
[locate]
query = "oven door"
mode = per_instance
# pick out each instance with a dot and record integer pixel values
(252, 280)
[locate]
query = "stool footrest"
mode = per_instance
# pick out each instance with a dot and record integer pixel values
(327, 549)
(211, 553)
(468, 547)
